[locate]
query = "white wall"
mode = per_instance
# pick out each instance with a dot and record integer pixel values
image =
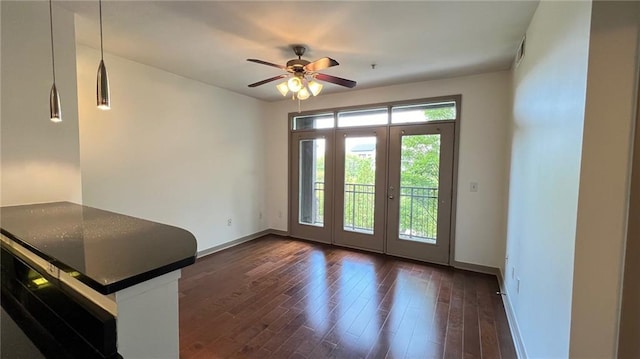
(40, 159)
(485, 103)
(549, 89)
(172, 150)
(604, 178)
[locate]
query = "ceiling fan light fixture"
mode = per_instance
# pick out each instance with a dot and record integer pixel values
(294, 84)
(315, 87)
(303, 94)
(300, 77)
(283, 87)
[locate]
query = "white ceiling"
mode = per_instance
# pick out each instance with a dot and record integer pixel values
(209, 41)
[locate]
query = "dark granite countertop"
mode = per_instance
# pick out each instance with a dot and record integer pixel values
(110, 251)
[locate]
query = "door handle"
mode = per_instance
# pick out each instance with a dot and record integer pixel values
(390, 196)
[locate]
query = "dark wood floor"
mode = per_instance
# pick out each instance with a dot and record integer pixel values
(281, 298)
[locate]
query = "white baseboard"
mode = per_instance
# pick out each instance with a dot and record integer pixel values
(521, 351)
(472, 267)
(241, 240)
(233, 243)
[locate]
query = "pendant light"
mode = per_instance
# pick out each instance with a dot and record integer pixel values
(102, 89)
(54, 96)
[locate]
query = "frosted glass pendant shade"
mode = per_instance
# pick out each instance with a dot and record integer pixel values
(54, 105)
(102, 89)
(315, 87)
(295, 84)
(303, 94)
(283, 87)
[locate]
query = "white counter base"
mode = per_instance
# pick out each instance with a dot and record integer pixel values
(147, 319)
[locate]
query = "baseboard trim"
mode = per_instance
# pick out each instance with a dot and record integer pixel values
(521, 352)
(233, 243)
(476, 268)
(241, 240)
(278, 232)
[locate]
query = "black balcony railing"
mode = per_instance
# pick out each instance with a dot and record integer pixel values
(359, 204)
(418, 213)
(318, 191)
(418, 210)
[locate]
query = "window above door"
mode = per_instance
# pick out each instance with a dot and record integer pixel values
(403, 112)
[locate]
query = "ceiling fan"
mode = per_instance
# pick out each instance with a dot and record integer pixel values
(302, 75)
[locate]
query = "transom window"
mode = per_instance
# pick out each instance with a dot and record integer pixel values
(417, 111)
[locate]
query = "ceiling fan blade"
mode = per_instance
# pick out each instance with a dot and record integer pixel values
(267, 80)
(336, 80)
(267, 63)
(321, 64)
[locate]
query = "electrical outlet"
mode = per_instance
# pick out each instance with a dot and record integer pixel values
(518, 285)
(229, 222)
(473, 187)
(513, 272)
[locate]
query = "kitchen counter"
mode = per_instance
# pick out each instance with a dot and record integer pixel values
(98, 283)
(107, 250)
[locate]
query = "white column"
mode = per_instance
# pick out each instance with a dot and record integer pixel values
(147, 320)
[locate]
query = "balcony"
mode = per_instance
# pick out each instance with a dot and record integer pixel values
(418, 210)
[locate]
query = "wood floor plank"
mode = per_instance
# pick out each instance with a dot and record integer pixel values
(291, 342)
(282, 298)
(471, 340)
(453, 344)
(420, 343)
(488, 332)
(322, 351)
(507, 347)
(380, 348)
(256, 344)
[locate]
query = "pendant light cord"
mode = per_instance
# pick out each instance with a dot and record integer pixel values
(101, 51)
(53, 58)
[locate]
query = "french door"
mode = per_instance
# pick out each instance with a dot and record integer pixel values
(361, 171)
(385, 186)
(310, 214)
(419, 191)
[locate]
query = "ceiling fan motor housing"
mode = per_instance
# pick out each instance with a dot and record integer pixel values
(299, 50)
(297, 65)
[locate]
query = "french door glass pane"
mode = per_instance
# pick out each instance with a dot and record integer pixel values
(359, 184)
(420, 163)
(311, 182)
